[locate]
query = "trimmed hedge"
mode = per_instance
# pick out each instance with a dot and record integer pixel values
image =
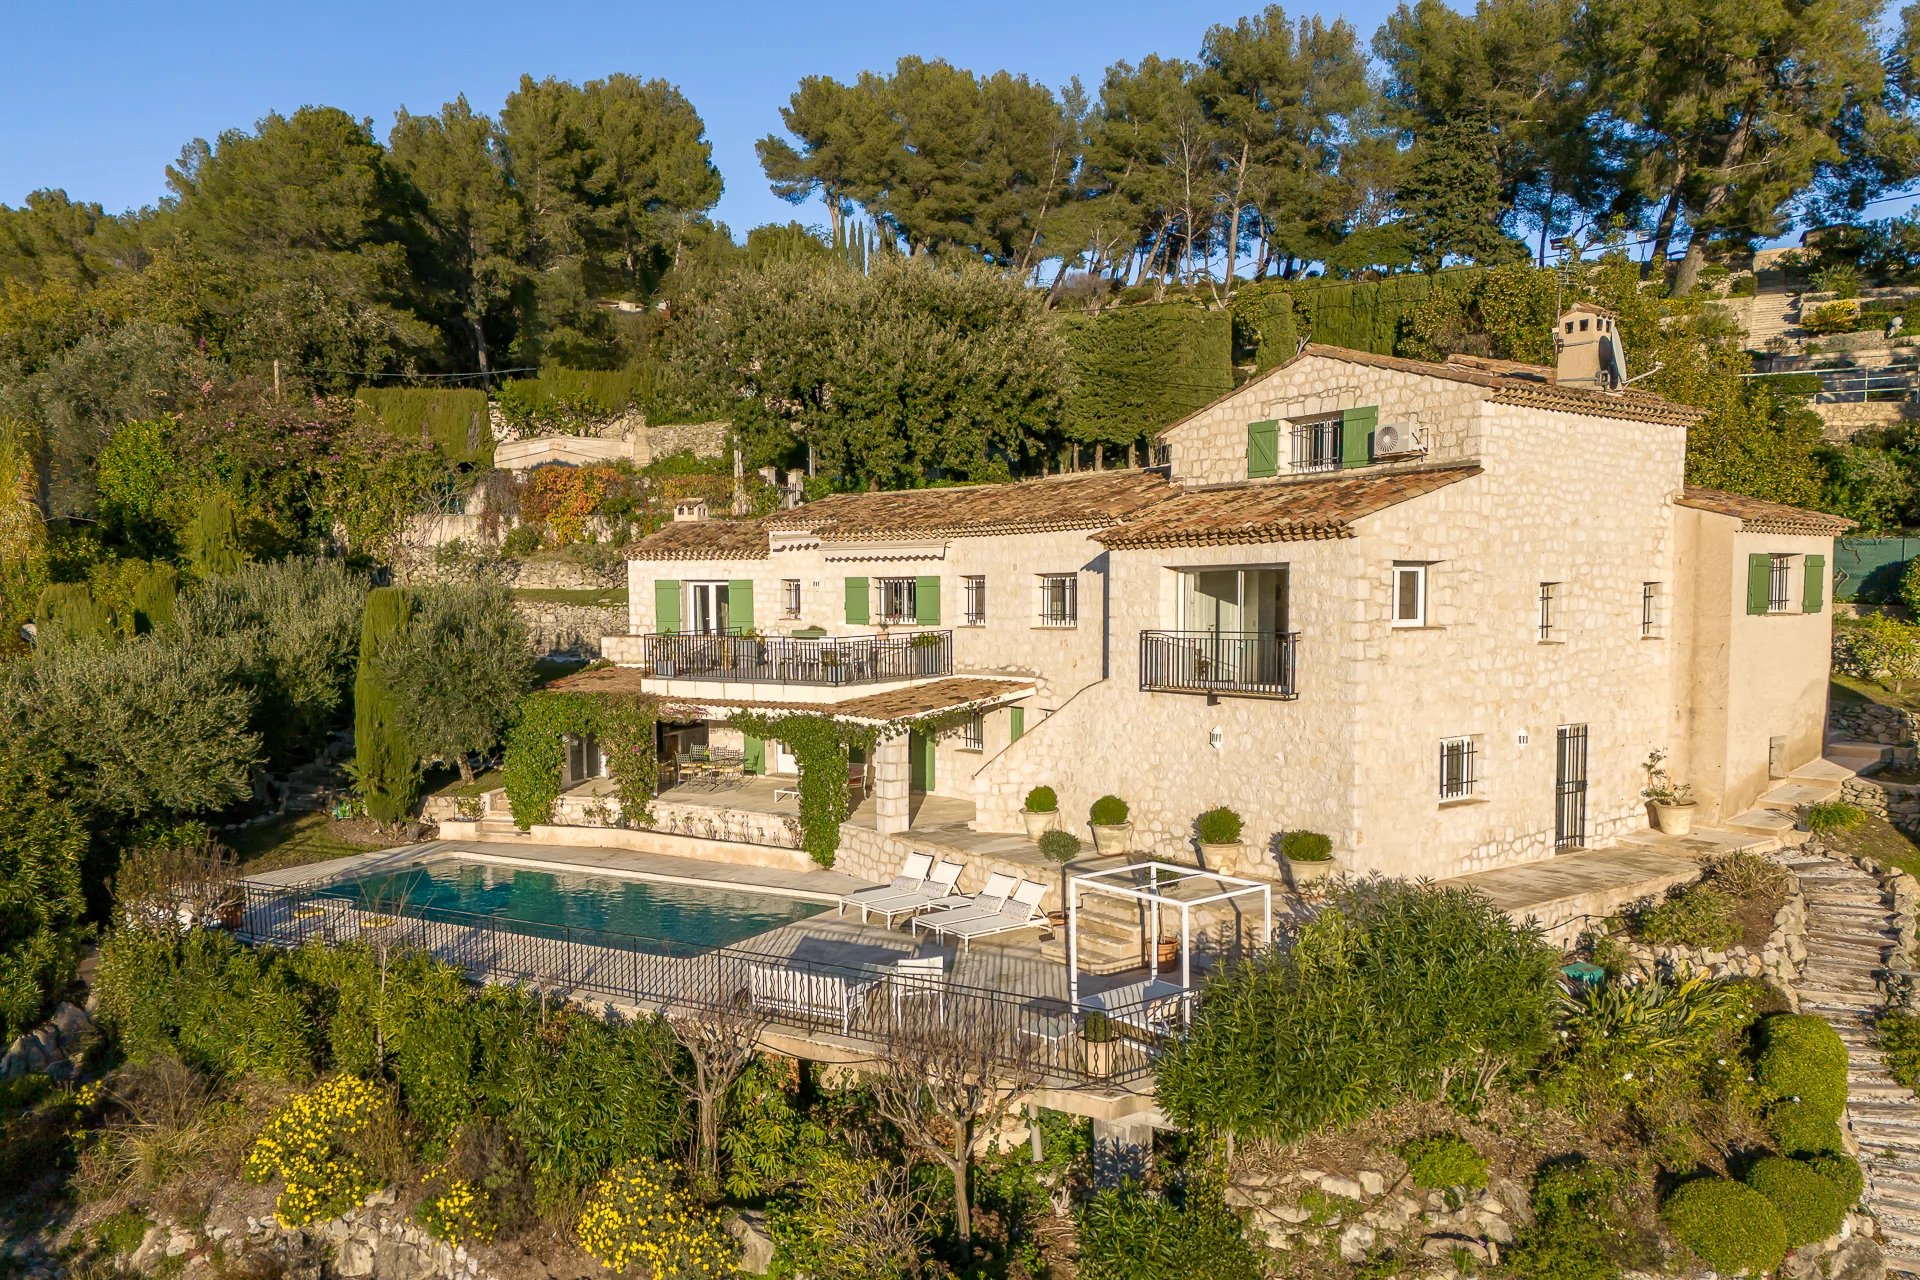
(1802, 1058)
(1363, 317)
(1306, 846)
(1139, 368)
(1108, 811)
(1803, 1129)
(1264, 326)
(455, 421)
(1043, 800)
(1843, 1171)
(1733, 1229)
(1218, 826)
(1812, 1206)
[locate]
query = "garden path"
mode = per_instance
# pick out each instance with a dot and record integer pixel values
(1850, 935)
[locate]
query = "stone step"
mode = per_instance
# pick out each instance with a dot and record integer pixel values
(1820, 941)
(1793, 794)
(1761, 821)
(1827, 1002)
(1824, 770)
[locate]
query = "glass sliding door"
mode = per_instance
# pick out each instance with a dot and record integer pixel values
(707, 608)
(1236, 619)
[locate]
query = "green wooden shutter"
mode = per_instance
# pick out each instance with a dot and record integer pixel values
(740, 605)
(1356, 435)
(857, 601)
(920, 761)
(666, 605)
(756, 755)
(1263, 450)
(926, 601)
(1813, 595)
(1016, 723)
(1759, 581)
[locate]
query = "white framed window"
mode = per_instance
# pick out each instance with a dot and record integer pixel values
(897, 600)
(1409, 595)
(789, 597)
(1459, 768)
(974, 596)
(1316, 445)
(1652, 610)
(1059, 599)
(1550, 612)
(973, 733)
(1779, 584)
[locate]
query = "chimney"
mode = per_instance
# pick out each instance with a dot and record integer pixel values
(689, 510)
(1587, 348)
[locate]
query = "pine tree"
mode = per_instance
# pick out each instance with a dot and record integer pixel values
(385, 765)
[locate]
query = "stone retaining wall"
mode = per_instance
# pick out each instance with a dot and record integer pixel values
(1778, 960)
(1897, 802)
(1358, 1214)
(1872, 722)
(570, 630)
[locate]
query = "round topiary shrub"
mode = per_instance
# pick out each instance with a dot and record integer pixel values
(1843, 1171)
(1442, 1160)
(1108, 811)
(1734, 1229)
(1811, 1205)
(1802, 1060)
(1802, 1129)
(1218, 826)
(1042, 800)
(1061, 846)
(1306, 846)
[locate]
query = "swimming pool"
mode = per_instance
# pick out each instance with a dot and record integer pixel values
(606, 909)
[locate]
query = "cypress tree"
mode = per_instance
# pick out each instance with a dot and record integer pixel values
(213, 539)
(154, 598)
(385, 765)
(68, 612)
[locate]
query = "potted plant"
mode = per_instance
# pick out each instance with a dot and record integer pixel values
(1111, 830)
(1670, 803)
(1098, 1039)
(1309, 856)
(1043, 806)
(1060, 846)
(1218, 832)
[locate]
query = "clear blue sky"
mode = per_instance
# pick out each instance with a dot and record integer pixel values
(99, 98)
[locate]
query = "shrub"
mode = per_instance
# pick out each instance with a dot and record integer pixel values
(386, 769)
(1835, 815)
(1899, 1037)
(1443, 1160)
(1842, 315)
(1843, 1171)
(1802, 1059)
(308, 1143)
(1749, 876)
(1395, 990)
(851, 1218)
(1803, 1129)
(1108, 811)
(1306, 846)
(1060, 846)
(1701, 915)
(1580, 1225)
(1733, 1229)
(1811, 1206)
(1042, 800)
(1841, 279)
(1128, 1233)
(1218, 826)
(638, 1215)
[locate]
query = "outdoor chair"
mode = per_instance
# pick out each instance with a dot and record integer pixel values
(819, 997)
(1155, 1007)
(998, 888)
(1019, 911)
(912, 878)
(919, 978)
(938, 888)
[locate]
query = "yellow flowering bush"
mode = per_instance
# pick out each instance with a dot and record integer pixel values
(456, 1211)
(308, 1145)
(638, 1215)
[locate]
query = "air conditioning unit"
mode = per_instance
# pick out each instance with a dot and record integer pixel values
(1392, 440)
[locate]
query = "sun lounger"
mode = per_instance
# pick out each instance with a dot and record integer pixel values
(912, 879)
(938, 889)
(998, 888)
(1020, 911)
(833, 998)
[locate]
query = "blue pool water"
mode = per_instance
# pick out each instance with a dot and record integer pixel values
(550, 904)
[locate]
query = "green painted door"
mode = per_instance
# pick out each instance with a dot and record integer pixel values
(920, 757)
(666, 605)
(756, 752)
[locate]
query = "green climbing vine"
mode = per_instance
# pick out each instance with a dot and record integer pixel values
(536, 751)
(820, 746)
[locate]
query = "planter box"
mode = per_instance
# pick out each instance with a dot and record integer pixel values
(1099, 1056)
(1038, 824)
(1111, 840)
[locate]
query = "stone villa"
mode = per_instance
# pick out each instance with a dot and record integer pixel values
(1441, 612)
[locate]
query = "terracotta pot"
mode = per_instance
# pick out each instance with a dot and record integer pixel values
(228, 913)
(1302, 874)
(1227, 859)
(1672, 819)
(1111, 840)
(1169, 952)
(1038, 824)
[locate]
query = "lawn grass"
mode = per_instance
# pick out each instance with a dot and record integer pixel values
(606, 596)
(294, 839)
(483, 782)
(1876, 838)
(1852, 690)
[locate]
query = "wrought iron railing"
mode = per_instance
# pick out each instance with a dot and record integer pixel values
(828, 660)
(1241, 663)
(865, 1007)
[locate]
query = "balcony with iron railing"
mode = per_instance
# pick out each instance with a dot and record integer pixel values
(799, 660)
(1249, 664)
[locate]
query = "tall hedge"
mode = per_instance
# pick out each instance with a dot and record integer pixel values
(1137, 369)
(213, 539)
(386, 766)
(1364, 316)
(454, 420)
(1265, 329)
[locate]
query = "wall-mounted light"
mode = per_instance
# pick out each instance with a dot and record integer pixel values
(1215, 738)
(1520, 738)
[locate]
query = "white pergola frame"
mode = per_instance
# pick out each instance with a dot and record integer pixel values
(1160, 875)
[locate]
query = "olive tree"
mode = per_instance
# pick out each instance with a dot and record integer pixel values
(458, 670)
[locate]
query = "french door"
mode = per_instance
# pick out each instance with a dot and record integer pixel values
(1570, 788)
(707, 608)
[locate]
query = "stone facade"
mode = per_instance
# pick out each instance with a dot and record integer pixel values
(558, 630)
(1873, 722)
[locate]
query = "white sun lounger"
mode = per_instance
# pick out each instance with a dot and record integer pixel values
(992, 897)
(938, 888)
(1021, 911)
(824, 997)
(911, 880)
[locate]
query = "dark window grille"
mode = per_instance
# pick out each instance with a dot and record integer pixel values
(973, 733)
(1649, 609)
(1316, 445)
(1570, 787)
(1779, 574)
(898, 599)
(1549, 607)
(1458, 775)
(790, 596)
(1059, 600)
(976, 601)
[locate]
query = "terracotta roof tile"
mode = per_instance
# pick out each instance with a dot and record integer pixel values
(1088, 501)
(1757, 515)
(944, 694)
(704, 540)
(1282, 511)
(1640, 406)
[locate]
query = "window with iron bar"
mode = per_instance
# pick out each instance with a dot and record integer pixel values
(1059, 599)
(1549, 610)
(1457, 768)
(897, 599)
(1780, 575)
(1316, 445)
(973, 735)
(1649, 610)
(976, 600)
(790, 597)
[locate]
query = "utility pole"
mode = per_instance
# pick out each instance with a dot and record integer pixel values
(276, 377)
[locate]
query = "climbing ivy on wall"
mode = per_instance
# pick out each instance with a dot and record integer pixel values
(536, 753)
(820, 746)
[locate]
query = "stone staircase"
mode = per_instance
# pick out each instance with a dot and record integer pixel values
(1112, 936)
(1851, 941)
(1776, 813)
